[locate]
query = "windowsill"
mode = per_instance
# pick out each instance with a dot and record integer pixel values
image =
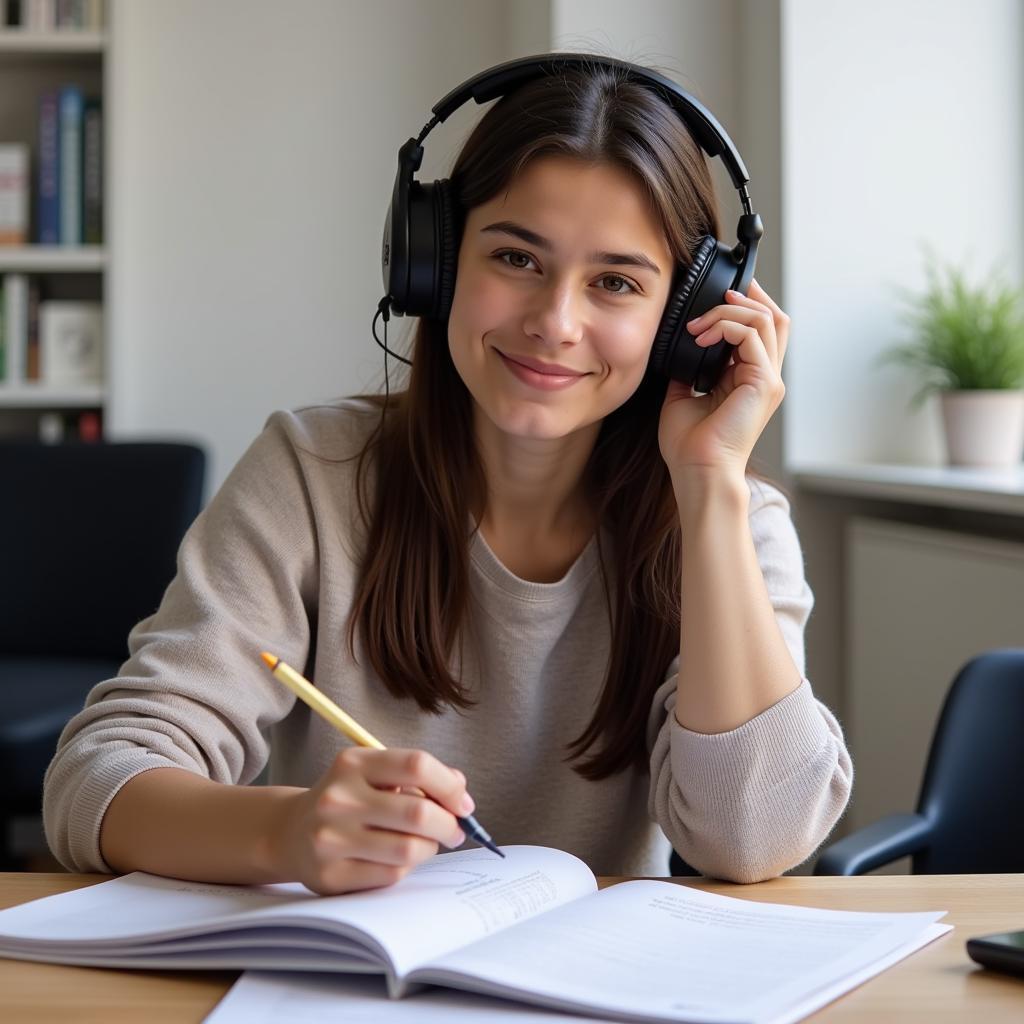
(982, 490)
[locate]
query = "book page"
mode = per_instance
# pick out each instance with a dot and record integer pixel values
(264, 997)
(456, 898)
(140, 906)
(450, 900)
(660, 951)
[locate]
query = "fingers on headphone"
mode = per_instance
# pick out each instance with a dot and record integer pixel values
(747, 343)
(779, 315)
(776, 322)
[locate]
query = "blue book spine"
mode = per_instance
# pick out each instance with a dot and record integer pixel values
(48, 193)
(71, 108)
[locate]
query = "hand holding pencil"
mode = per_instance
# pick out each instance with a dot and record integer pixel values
(352, 830)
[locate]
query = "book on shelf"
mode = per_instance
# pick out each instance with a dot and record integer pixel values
(14, 189)
(48, 189)
(32, 372)
(69, 192)
(15, 327)
(533, 927)
(92, 171)
(70, 343)
(52, 15)
(70, 107)
(16, 301)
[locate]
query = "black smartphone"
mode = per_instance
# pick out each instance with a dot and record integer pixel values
(1003, 951)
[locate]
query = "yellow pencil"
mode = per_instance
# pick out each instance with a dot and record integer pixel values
(325, 707)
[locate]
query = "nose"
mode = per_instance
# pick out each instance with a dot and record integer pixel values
(554, 317)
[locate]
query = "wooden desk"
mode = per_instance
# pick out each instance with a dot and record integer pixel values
(938, 983)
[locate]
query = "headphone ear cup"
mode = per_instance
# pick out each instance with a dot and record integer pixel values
(421, 290)
(674, 353)
(397, 251)
(433, 249)
(446, 209)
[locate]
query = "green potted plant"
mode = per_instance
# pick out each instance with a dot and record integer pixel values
(968, 344)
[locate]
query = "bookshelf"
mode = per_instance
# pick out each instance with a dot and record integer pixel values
(52, 259)
(31, 396)
(33, 62)
(38, 44)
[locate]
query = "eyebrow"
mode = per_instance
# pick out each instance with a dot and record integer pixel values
(619, 259)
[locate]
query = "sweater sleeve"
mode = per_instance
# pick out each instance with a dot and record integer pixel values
(751, 803)
(193, 693)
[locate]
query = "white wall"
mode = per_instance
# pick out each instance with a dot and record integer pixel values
(689, 37)
(253, 149)
(754, 61)
(901, 126)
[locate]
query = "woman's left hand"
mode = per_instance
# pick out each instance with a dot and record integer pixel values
(718, 431)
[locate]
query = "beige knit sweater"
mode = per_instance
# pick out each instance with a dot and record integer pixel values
(271, 565)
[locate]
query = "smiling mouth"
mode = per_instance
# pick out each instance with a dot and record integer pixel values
(548, 370)
(546, 379)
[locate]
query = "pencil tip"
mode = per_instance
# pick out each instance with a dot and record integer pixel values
(270, 660)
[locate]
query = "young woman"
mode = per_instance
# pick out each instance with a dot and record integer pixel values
(542, 575)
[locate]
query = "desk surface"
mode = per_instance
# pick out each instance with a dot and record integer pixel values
(938, 983)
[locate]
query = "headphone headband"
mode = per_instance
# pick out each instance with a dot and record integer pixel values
(505, 78)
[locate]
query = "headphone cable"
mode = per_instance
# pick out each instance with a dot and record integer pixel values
(383, 311)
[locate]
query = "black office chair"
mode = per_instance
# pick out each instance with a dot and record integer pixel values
(678, 868)
(89, 534)
(970, 814)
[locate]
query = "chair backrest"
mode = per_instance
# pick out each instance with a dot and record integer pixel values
(89, 535)
(973, 789)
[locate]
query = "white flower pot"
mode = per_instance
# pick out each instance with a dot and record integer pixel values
(983, 428)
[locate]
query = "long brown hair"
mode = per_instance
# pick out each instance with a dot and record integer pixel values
(413, 586)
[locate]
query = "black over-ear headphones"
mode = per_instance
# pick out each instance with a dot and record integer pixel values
(422, 233)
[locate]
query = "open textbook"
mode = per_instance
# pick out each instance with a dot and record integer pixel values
(532, 927)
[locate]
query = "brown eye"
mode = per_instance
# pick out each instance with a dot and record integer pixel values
(515, 254)
(618, 291)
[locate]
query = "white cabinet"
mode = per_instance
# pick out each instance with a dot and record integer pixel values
(920, 602)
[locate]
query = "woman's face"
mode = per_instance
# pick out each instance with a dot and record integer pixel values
(561, 285)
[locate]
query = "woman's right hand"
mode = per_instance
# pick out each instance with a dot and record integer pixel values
(363, 825)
